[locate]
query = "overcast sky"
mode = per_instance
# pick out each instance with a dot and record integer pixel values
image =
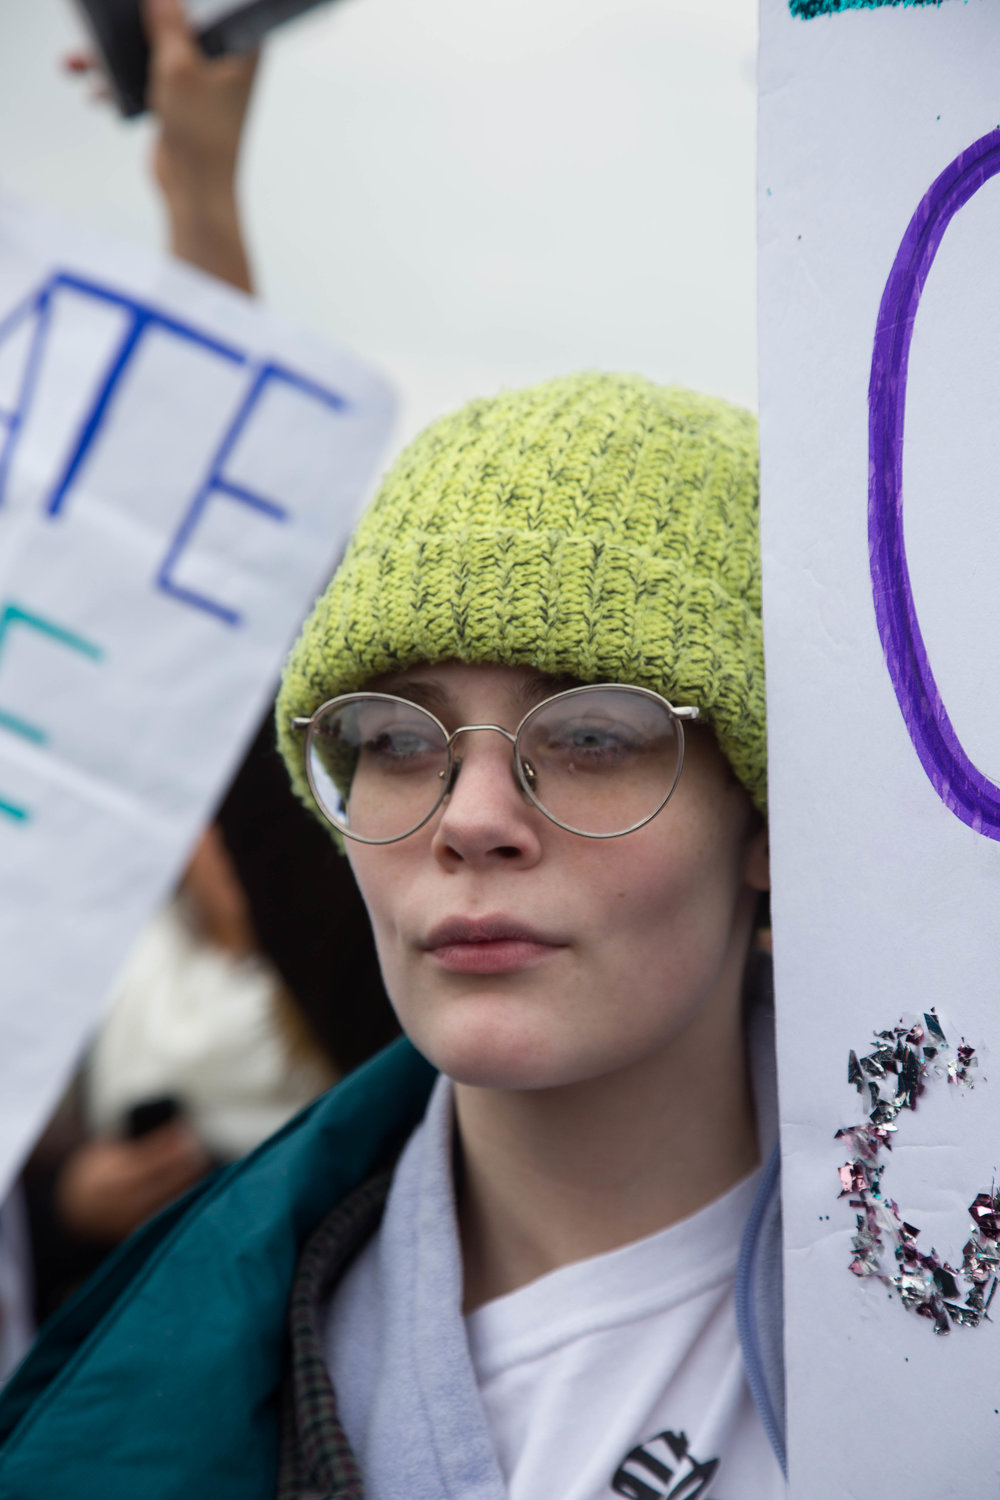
(473, 194)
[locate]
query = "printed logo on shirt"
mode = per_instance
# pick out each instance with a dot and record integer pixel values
(663, 1469)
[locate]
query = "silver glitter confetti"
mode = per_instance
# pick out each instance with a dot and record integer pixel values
(893, 1075)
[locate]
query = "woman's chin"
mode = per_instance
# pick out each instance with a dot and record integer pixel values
(512, 1056)
(494, 1046)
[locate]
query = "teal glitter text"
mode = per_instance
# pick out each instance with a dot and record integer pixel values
(806, 9)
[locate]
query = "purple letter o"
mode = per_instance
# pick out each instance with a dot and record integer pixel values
(969, 794)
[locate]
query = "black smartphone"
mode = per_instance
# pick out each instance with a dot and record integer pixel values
(150, 1114)
(220, 25)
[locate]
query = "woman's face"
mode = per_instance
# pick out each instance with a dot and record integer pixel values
(518, 955)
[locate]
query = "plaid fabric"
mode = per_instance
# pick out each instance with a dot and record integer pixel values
(316, 1461)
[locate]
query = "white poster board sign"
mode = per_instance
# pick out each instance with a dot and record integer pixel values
(880, 364)
(178, 473)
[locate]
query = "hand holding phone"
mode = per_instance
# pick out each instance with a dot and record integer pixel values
(106, 1187)
(221, 26)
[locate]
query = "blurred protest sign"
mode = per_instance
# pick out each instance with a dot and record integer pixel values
(178, 472)
(880, 361)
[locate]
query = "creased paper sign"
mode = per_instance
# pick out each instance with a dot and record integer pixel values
(178, 473)
(880, 363)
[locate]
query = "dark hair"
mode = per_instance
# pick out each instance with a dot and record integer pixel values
(306, 910)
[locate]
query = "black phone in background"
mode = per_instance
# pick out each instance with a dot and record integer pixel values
(116, 28)
(149, 1115)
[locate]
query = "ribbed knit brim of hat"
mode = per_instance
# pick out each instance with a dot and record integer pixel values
(596, 526)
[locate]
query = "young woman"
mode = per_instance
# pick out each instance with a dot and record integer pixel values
(531, 705)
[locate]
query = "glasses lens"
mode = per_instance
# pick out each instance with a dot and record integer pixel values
(601, 760)
(378, 766)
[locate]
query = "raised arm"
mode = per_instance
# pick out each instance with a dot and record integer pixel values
(201, 104)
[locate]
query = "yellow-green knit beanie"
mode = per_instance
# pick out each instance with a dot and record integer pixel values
(598, 526)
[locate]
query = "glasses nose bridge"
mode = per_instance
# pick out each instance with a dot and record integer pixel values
(456, 760)
(473, 728)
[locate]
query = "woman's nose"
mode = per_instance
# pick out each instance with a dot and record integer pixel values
(486, 816)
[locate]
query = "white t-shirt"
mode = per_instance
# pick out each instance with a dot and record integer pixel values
(622, 1374)
(563, 1390)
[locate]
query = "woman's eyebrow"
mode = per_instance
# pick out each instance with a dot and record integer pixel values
(541, 685)
(529, 691)
(427, 693)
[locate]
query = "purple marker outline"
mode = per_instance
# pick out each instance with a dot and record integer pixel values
(962, 788)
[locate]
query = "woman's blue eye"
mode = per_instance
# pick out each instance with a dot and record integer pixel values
(596, 743)
(594, 739)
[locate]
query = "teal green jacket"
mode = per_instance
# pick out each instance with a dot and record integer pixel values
(161, 1378)
(160, 1381)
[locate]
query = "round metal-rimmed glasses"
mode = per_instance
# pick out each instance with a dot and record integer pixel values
(599, 761)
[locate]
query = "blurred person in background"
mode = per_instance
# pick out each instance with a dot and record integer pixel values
(228, 1018)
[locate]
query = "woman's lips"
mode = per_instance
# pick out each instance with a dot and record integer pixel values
(491, 945)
